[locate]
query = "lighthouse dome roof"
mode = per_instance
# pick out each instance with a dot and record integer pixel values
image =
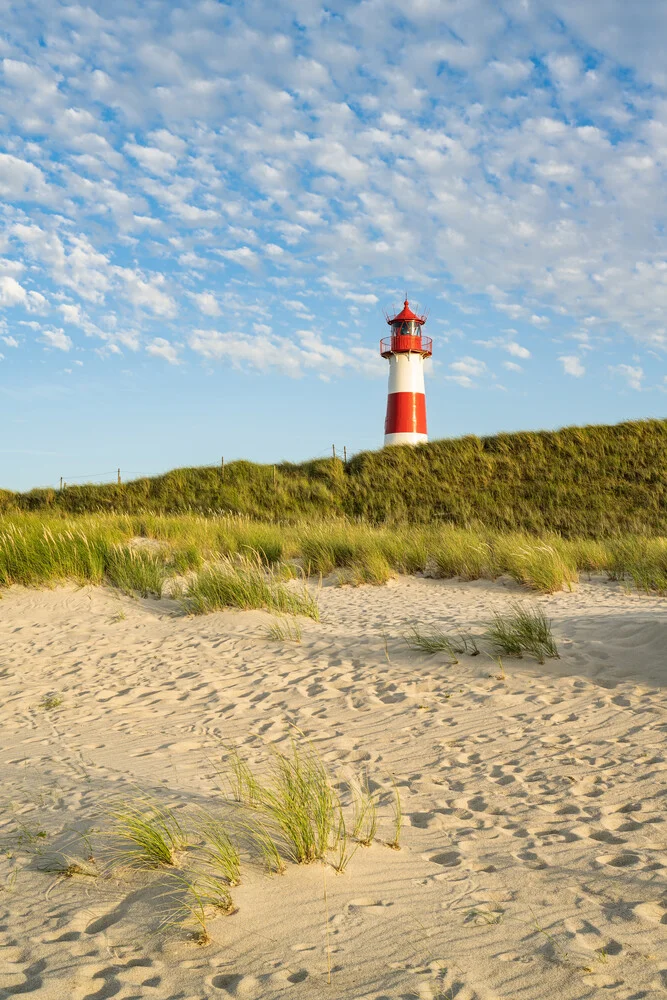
(405, 315)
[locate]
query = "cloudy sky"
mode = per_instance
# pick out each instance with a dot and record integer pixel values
(206, 207)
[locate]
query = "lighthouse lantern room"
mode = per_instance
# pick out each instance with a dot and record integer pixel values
(406, 350)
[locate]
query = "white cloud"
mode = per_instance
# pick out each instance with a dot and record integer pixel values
(58, 339)
(366, 299)
(468, 367)
(21, 180)
(206, 303)
(512, 366)
(634, 375)
(242, 255)
(12, 293)
(463, 380)
(147, 294)
(11, 341)
(572, 365)
(265, 351)
(516, 350)
(157, 161)
(161, 348)
(71, 313)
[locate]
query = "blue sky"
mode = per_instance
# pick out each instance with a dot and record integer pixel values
(205, 207)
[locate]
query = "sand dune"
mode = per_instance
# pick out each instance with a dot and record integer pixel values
(534, 858)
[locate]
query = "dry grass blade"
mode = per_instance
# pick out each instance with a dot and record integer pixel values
(344, 853)
(67, 865)
(395, 842)
(194, 896)
(365, 819)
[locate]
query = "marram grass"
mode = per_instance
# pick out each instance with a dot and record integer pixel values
(244, 584)
(230, 562)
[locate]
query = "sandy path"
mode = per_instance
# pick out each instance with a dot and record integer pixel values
(534, 860)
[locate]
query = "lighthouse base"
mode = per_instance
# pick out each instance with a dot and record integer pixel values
(405, 437)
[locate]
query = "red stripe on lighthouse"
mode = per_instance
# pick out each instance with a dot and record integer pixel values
(406, 413)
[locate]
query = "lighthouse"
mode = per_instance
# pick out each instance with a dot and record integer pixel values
(406, 349)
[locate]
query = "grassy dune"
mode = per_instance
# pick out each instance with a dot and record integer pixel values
(589, 482)
(231, 561)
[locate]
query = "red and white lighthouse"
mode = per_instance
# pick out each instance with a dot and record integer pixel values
(406, 351)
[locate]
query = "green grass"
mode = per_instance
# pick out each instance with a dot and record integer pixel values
(432, 639)
(153, 835)
(365, 819)
(220, 852)
(285, 630)
(221, 561)
(300, 802)
(244, 584)
(522, 630)
(578, 482)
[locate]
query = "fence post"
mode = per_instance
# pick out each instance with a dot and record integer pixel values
(61, 484)
(119, 477)
(222, 467)
(333, 450)
(345, 454)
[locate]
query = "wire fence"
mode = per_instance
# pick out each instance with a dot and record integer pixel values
(115, 475)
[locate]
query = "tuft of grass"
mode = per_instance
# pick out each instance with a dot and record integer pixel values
(344, 852)
(284, 630)
(300, 801)
(51, 701)
(520, 630)
(153, 833)
(67, 866)
(135, 571)
(395, 842)
(268, 849)
(194, 896)
(370, 567)
(435, 640)
(365, 819)
(244, 584)
(221, 854)
(245, 786)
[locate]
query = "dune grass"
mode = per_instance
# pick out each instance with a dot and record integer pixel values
(295, 811)
(231, 562)
(285, 630)
(365, 820)
(153, 834)
(244, 584)
(522, 630)
(220, 852)
(299, 800)
(432, 639)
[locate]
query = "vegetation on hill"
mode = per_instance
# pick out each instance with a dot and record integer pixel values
(579, 482)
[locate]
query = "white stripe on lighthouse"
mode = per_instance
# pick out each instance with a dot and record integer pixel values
(406, 437)
(406, 373)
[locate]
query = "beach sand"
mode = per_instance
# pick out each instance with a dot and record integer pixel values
(534, 849)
